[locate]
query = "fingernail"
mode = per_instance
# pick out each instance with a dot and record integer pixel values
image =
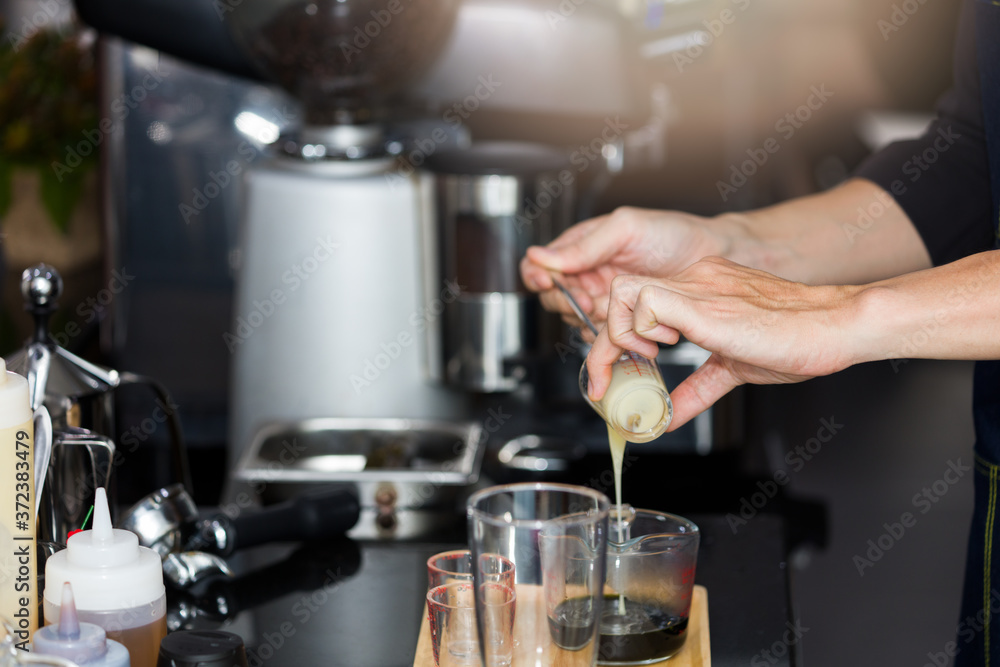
(590, 387)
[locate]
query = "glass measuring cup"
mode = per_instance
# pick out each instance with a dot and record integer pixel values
(650, 581)
(636, 403)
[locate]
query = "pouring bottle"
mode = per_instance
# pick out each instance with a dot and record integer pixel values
(118, 585)
(85, 644)
(18, 585)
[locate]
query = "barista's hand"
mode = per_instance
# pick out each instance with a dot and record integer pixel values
(760, 329)
(629, 241)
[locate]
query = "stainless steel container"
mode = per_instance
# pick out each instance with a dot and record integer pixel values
(493, 201)
(411, 475)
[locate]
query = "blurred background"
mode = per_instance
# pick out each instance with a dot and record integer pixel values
(109, 149)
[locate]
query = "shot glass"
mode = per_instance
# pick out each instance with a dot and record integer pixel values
(452, 615)
(636, 403)
(456, 567)
(556, 537)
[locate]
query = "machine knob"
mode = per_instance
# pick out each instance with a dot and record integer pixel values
(41, 287)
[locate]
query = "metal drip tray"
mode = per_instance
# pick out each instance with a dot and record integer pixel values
(395, 463)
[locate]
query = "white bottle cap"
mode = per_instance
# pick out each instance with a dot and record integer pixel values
(107, 567)
(15, 405)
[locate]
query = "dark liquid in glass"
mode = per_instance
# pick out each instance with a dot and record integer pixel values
(643, 633)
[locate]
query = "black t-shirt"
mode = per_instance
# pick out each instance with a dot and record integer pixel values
(942, 179)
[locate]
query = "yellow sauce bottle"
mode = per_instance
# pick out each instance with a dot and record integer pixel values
(18, 581)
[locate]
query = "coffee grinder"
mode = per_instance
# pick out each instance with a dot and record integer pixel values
(330, 305)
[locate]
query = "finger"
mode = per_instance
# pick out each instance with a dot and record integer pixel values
(603, 353)
(657, 313)
(584, 252)
(700, 390)
(620, 323)
(576, 232)
(553, 301)
(535, 277)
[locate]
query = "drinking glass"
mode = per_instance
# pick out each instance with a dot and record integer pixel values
(556, 537)
(452, 614)
(456, 566)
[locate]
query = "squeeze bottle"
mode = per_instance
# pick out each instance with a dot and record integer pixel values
(18, 581)
(117, 584)
(85, 644)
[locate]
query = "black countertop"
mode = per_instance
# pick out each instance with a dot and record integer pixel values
(359, 604)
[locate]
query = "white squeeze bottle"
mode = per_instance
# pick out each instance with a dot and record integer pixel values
(117, 584)
(18, 581)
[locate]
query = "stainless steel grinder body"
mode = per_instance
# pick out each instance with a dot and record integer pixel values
(493, 201)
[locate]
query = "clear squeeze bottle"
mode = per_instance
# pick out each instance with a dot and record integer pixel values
(85, 644)
(117, 584)
(18, 582)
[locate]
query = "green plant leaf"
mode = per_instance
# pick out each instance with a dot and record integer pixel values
(60, 197)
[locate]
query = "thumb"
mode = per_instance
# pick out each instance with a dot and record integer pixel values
(582, 253)
(700, 390)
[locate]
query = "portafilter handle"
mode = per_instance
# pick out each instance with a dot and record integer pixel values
(166, 522)
(311, 516)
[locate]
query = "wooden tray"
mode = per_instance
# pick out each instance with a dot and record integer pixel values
(696, 651)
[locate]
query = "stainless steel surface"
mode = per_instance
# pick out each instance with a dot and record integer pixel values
(189, 567)
(492, 202)
(536, 453)
(158, 519)
(41, 285)
(81, 462)
(485, 340)
(409, 474)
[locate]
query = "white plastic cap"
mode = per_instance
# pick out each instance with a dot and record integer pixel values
(107, 567)
(15, 404)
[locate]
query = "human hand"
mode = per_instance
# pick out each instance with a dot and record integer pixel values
(760, 329)
(589, 255)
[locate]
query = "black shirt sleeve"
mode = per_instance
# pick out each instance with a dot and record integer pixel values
(941, 180)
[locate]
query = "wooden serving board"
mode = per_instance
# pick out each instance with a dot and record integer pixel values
(529, 620)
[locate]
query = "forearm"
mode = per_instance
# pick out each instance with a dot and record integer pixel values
(853, 234)
(948, 312)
